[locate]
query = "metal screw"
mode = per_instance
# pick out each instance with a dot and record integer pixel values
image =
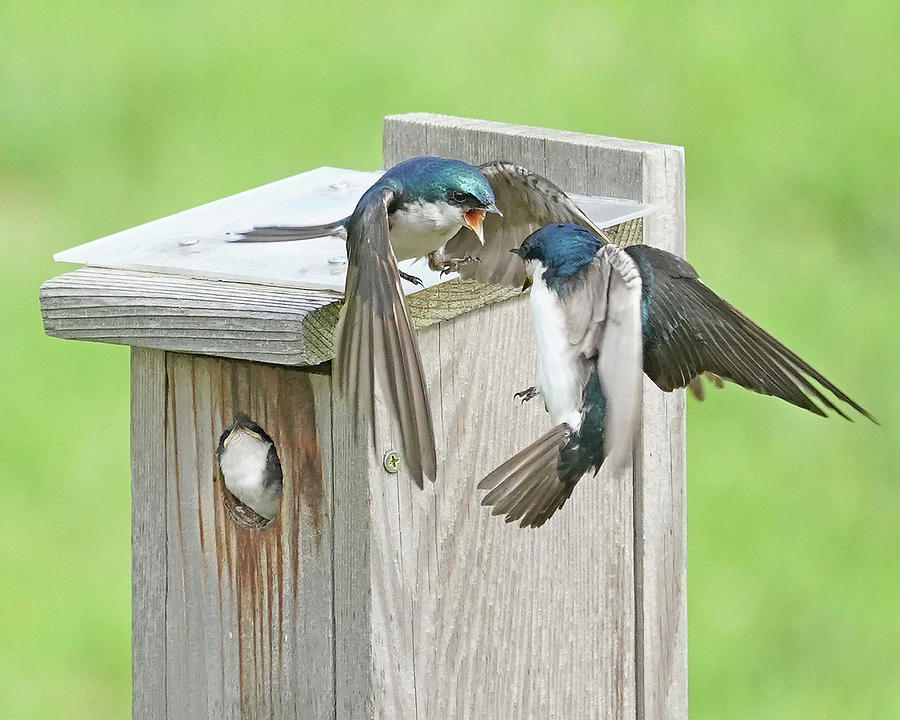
(391, 461)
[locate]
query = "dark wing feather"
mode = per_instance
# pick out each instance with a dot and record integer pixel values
(374, 340)
(528, 202)
(691, 331)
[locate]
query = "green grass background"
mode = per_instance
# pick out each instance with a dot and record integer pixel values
(112, 114)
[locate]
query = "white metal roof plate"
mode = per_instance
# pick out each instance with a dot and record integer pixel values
(193, 242)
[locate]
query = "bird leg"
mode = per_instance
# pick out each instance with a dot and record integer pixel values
(411, 278)
(696, 385)
(438, 261)
(453, 264)
(527, 394)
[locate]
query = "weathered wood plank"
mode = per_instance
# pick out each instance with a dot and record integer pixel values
(284, 326)
(148, 534)
(471, 617)
(354, 466)
(652, 682)
(249, 619)
(250, 301)
(660, 498)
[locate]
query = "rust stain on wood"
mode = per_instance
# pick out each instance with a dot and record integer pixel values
(281, 401)
(256, 569)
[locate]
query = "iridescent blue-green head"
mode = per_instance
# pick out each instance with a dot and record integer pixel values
(560, 250)
(449, 191)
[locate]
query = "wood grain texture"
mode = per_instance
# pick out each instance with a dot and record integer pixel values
(653, 681)
(284, 326)
(148, 534)
(249, 627)
(354, 466)
(471, 617)
(661, 493)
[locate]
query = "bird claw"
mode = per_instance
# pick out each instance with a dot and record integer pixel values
(453, 264)
(527, 394)
(411, 278)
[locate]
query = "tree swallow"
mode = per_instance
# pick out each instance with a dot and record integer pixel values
(413, 209)
(250, 466)
(687, 330)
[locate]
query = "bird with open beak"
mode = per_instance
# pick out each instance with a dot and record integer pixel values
(447, 210)
(411, 211)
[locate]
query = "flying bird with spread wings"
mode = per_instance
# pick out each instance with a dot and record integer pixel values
(686, 330)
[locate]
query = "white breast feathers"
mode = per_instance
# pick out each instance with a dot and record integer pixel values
(421, 227)
(560, 375)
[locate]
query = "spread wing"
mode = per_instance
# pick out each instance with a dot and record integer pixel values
(692, 331)
(528, 202)
(374, 340)
(603, 312)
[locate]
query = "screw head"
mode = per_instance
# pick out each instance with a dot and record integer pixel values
(391, 461)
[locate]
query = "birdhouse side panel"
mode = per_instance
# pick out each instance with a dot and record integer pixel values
(148, 533)
(248, 603)
(450, 612)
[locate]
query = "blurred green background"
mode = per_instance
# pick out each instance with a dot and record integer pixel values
(112, 114)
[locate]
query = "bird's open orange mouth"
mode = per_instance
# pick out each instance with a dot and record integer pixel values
(474, 220)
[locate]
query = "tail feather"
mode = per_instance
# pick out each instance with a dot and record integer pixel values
(522, 493)
(527, 487)
(278, 233)
(544, 500)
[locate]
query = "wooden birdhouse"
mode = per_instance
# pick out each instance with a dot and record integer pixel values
(365, 597)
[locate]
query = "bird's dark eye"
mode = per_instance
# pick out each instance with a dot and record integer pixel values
(458, 196)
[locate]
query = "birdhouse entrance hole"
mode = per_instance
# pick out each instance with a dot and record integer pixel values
(250, 472)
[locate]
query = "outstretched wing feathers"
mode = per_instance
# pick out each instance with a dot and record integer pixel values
(620, 356)
(694, 331)
(528, 202)
(375, 343)
(603, 324)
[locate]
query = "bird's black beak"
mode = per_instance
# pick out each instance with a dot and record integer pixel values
(492, 208)
(528, 281)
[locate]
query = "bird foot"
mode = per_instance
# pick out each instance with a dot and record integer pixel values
(411, 278)
(453, 264)
(527, 394)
